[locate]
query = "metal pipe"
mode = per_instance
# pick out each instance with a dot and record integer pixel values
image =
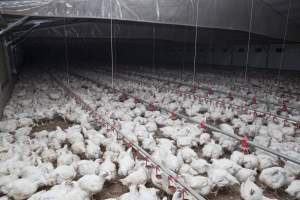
(214, 90)
(24, 34)
(13, 25)
(206, 124)
(233, 105)
(136, 146)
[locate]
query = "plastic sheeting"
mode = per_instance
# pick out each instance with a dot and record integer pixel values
(220, 14)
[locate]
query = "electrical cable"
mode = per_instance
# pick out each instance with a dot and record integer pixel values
(284, 43)
(111, 46)
(248, 44)
(196, 37)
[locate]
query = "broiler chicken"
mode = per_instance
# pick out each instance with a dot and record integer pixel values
(250, 191)
(200, 165)
(62, 173)
(200, 184)
(86, 167)
(108, 166)
(138, 177)
(294, 189)
(91, 184)
(21, 189)
(133, 194)
(212, 150)
(221, 178)
(126, 162)
(92, 150)
(148, 193)
(274, 177)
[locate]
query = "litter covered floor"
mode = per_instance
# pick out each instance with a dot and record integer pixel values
(77, 135)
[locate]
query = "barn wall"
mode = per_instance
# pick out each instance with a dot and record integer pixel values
(260, 56)
(6, 81)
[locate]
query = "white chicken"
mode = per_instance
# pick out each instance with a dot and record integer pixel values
(126, 162)
(62, 173)
(294, 189)
(8, 126)
(78, 148)
(187, 169)
(237, 157)
(148, 193)
(92, 150)
(86, 167)
(200, 165)
(108, 166)
(91, 184)
(274, 177)
(266, 160)
(66, 157)
(5, 180)
(244, 174)
(221, 178)
(151, 126)
(212, 150)
(133, 194)
(168, 159)
(188, 154)
(227, 165)
(204, 138)
(49, 155)
(21, 189)
(250, 191)
(74, 135)
(138, 177)
(250, 161)
(200, 184)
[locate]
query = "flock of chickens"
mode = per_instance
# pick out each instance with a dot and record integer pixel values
(77, 162)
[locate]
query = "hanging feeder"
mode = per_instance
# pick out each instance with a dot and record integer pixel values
(245, 145)
(254, 100)
(151, 107)
(230, 96)
(173, 116)
(298, 125)
(202, 125)
(285, 123)
(275, 120)
(123, 97)
(183, 192)
(136, 100)
(254, 114)
(194, 88)
(171, 187)
(148, 164)
(284, 107)
(157, 169)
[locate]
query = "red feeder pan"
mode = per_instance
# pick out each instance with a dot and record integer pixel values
(173, 116)
(151, 107)
(254, 100)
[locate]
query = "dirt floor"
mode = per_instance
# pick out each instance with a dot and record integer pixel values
(111, 190)
(50, 125)
(115, 189)
(233, 193)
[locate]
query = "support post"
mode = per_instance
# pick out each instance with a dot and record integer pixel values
(13, 25)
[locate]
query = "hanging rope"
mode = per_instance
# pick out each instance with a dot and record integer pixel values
(195, 47)
(248, 45)
(66, 47)
(111, 46)
(183, 54)
(153, 49)
(284, 43)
